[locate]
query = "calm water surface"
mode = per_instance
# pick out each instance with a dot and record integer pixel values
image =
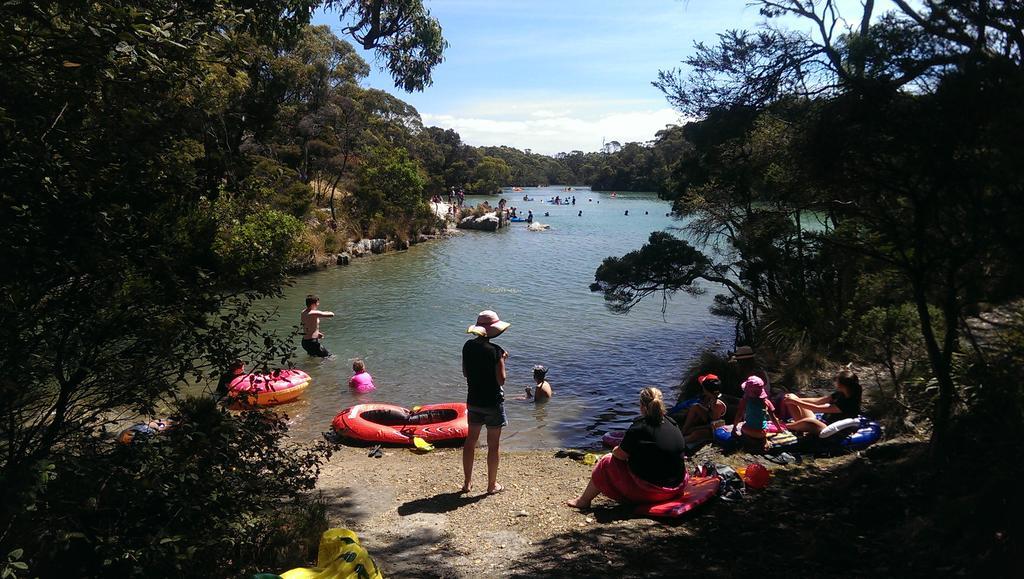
(406, 315)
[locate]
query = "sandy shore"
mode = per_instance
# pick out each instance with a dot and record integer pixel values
(410, 516)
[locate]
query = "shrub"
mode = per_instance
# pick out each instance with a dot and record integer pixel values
(217, 495)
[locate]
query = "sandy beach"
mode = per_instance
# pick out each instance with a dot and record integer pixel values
(410, 516)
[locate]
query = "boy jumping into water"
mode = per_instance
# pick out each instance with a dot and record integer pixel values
(311, 333)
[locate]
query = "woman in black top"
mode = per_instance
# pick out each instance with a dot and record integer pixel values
(483, 365)
(843, 403)
(648, 466)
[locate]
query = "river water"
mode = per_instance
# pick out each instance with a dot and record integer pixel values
(406, 315)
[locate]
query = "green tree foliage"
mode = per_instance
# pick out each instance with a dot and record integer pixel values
(389, 190)
(402, 32)
(154, 160)
(894, 133)
(214, 496)
(489, 175)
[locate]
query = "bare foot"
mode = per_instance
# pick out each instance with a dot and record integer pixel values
(577, 504)
(466, 488)
(497, 489)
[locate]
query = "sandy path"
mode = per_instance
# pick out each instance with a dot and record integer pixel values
(407, 510)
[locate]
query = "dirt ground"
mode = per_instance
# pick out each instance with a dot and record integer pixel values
(835, 516)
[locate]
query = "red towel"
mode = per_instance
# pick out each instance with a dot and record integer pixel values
(617, 482)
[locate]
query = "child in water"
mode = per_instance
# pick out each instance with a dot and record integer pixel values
(542, 392)
(756, 410)
(362, 381)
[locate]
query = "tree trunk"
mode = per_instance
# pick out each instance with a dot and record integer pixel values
(941, 368)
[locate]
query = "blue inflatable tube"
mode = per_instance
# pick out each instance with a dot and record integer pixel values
(682, 406)
(869, 432)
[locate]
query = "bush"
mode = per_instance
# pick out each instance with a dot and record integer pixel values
(215, 496)
(261, 244)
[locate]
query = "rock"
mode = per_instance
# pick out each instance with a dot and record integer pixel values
(522, 514)
(486, 222)
(537, 226)
(344, 258)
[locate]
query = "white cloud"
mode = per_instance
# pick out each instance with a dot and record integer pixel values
(550, 130)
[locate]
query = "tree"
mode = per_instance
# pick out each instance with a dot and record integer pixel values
(388, 184)
(402, 32)
(489, 175)
(903, 145)
(141, 191)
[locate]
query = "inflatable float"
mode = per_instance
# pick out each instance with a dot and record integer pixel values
(143, 432)
(340, 557)
(516, 219)
(698, 490)
(278, 387)
(850, 434)
(390, 424)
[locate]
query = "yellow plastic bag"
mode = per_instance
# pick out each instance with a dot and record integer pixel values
(340, 557)
(422, 445)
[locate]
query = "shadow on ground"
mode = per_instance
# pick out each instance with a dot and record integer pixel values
(439, 503)
(881, 513)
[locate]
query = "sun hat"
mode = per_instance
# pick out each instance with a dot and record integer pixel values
(753, 387)
(743, 353)
(488, 325)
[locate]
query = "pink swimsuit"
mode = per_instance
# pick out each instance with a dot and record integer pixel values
(362, 382)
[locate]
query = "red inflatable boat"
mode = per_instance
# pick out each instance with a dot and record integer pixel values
(390, 424)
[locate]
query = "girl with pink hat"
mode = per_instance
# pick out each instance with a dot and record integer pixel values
(756, 410)
(483, 365)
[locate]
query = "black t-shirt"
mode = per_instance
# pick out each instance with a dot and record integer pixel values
(655, 451)
(480, 359)
(848, 407)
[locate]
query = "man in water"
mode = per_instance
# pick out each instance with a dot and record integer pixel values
(311, 333)
(529, 216)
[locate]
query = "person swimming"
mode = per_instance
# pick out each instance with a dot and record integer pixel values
(542, 391)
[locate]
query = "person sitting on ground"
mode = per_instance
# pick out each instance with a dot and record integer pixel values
(746, 366)
(706, 415)
(361, 381)
(841, 404)
(542, 392)
(647, 467)
(756, 411)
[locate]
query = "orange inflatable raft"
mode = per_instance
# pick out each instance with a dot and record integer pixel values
(390, 424)
(278, 387)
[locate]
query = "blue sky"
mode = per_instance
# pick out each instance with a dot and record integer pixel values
(559, 75)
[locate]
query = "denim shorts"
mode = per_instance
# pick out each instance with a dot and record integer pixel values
(489, 416)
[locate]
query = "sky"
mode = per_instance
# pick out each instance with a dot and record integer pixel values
(559, 75)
